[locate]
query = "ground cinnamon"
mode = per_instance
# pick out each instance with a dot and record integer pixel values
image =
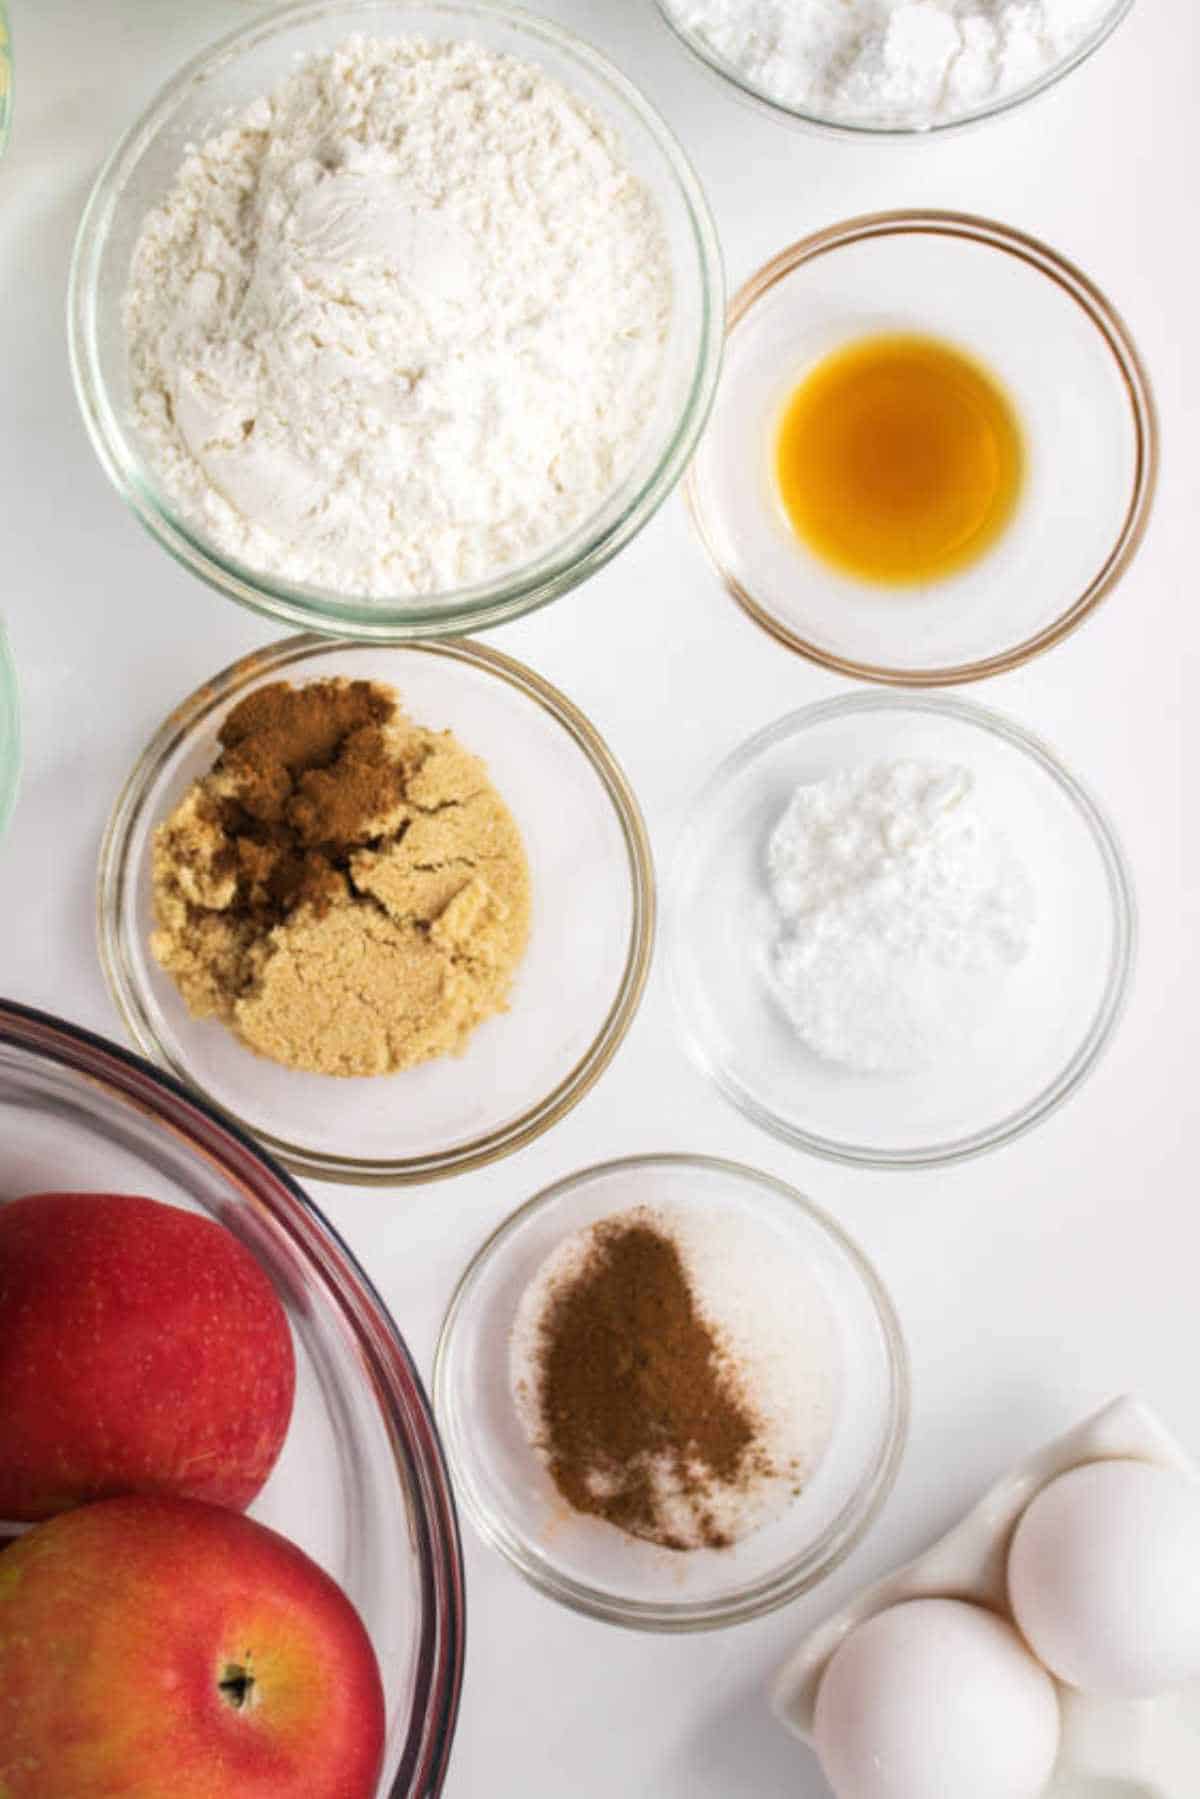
(641, 1411)
(302, 773)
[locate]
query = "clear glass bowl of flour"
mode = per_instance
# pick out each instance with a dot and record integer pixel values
(1018, 1039)
(221, 84)
(1078, 387)
(577, 986)
(765, 1246)
(809, 89)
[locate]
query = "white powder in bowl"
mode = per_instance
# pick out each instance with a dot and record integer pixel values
(890, 62)
(777, 1339)
(897, 906)
(402, 324)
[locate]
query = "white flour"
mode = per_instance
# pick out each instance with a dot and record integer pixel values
(899, 62)
(402, 324)
(896, 904)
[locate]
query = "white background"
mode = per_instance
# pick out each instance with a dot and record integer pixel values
(1033, 1284)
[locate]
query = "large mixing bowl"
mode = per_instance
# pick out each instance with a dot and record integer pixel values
(361, 1485)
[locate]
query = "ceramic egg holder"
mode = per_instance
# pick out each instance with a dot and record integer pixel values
(1111, 1749)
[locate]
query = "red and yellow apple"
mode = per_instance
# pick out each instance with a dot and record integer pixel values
(142, 1349)
(155, 1648)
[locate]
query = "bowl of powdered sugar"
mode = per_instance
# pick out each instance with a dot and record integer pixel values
(900, 932)
(892, 68)
(396, 319)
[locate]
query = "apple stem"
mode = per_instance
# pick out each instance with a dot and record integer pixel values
(236, 1684)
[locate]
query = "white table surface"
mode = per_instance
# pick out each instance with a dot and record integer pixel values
(1033, 1283)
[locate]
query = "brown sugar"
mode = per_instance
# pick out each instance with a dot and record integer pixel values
(345, 889)
(642, 1415)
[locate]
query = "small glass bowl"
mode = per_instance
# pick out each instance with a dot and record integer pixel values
(1076, 380)
(866, 130)
(232, 74)
(1057, 1008)
(10, 732)
(590, 1565)
(578, 985)
(361, 1485)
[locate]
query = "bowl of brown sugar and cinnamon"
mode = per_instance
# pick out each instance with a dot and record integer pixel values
(672, 1392)
(389, 906)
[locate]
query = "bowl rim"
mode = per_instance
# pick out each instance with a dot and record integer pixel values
(1100, 1031)
(10, 731)
(801, 1572)
(480, 605)
(1135, 379)
(387, 1363)
(113, 875)
(6, 76)
(864, 131)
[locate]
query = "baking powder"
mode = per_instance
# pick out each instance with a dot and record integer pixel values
(897, 62)
(401, 325)
(896, 904)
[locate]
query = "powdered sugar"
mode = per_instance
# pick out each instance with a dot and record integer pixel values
(897, 903)
(898, 62)
(401, 325)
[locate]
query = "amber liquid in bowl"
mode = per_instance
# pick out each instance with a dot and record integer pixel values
(899, 459)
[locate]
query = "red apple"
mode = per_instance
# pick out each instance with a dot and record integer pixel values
(155, 1648)
(142, 1349)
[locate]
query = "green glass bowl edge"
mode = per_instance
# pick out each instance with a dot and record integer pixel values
(6, 76)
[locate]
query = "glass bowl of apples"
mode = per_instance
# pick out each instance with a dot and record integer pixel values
(360, 1486)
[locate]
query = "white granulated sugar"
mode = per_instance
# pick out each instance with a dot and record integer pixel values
(402, 324)
(778, 1341)
(897, 906)
(890, 62)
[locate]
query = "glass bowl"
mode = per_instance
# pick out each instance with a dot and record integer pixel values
(6, 76)
(1053, 1016)
(577, 987)
(361, 1485)
(1079, 389)
(248, 64)
(590, 1565)
(10, 732)
(866, 130)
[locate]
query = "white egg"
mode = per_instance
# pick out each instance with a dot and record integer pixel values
(1104, 1578)
(936, 1699)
